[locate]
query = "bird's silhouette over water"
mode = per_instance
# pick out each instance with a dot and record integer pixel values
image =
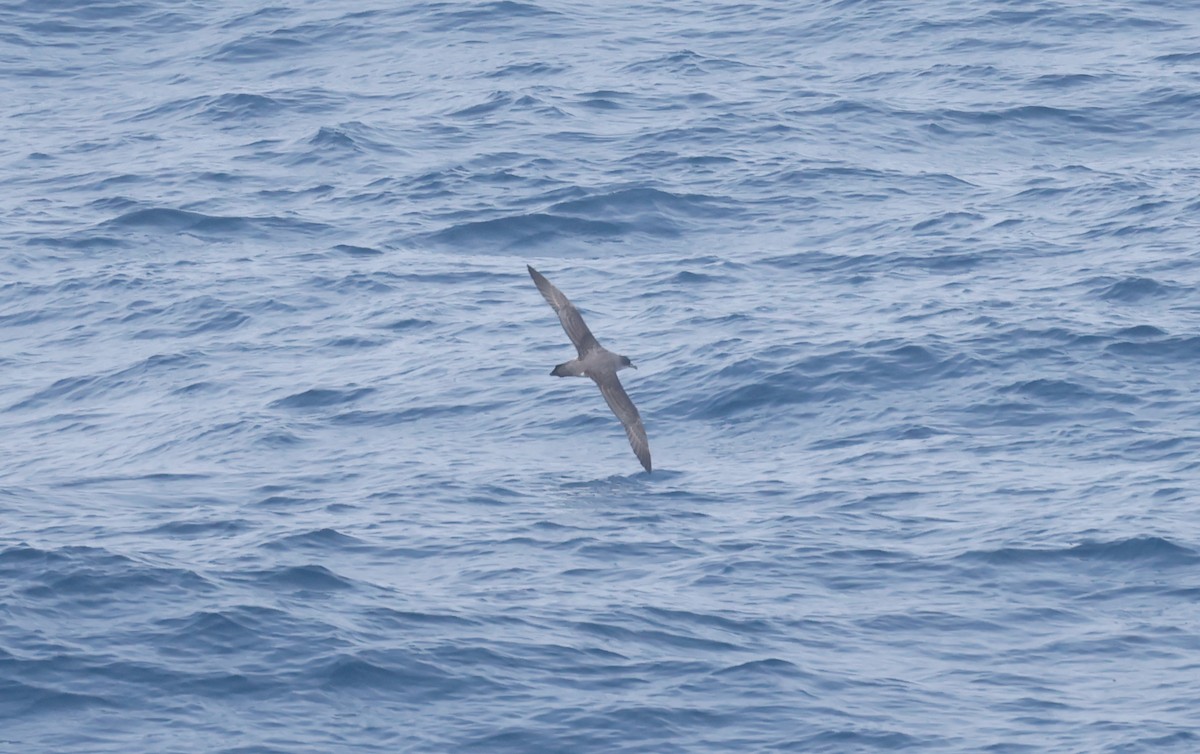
(597, 362)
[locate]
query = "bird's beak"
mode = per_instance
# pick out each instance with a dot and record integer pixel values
(633, 365)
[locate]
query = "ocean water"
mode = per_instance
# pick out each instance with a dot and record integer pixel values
(912, 289)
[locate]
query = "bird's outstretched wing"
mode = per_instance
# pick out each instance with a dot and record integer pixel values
(571, 320)
(618, 401)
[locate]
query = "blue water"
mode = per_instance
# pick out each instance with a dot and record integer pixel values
(913, 292)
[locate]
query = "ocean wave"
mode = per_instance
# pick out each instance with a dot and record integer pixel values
(169, 220)
(302, 579)
(321, 398)
(1155, 552)
(526, 231)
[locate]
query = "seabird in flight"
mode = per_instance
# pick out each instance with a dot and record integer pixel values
(597, 362)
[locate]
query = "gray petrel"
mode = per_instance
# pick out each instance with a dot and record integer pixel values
(597, 362)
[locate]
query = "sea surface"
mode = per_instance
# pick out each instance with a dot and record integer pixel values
(914, 293)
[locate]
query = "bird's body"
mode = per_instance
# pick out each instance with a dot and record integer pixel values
(598, 363)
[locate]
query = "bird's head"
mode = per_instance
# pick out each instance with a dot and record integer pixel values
(625, 362)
